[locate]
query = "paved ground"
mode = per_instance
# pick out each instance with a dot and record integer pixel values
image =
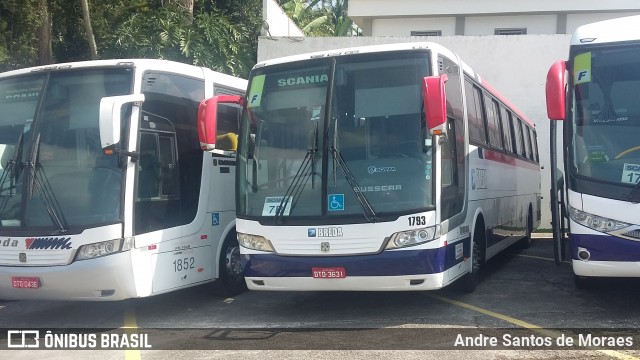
(522, 297)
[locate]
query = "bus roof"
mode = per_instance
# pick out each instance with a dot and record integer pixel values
(614, 30)
(140, 65)
(360, 50)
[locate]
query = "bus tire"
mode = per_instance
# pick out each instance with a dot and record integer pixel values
(470, 280)
(231, 276)
(526, 241)
(582, 282)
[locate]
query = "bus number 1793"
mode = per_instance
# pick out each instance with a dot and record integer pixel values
(417, 220)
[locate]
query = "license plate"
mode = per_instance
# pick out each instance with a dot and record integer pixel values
(329, 273)
(21, 282)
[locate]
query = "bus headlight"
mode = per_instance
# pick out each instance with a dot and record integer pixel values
(254, 242)
(413, 237)
(597, 223)
(91, 251)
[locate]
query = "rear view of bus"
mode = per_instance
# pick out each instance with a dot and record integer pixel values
(601, 194)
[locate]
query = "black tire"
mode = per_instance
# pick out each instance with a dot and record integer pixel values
(470, 280)
(231, 271)
(526, 241)
(582, 282)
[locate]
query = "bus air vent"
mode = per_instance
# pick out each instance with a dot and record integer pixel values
(633, 234)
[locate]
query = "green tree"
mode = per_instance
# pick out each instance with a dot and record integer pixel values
(321, 17)
(19, 22)
(220, 34)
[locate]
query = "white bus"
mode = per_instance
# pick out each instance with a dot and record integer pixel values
(392, 167)
(600, 188)
(105, 191)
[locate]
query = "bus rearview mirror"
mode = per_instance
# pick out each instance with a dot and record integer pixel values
(555, 90)
(109, 121)
(434, 102)
(208, 122)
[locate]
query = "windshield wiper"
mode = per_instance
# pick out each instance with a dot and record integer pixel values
(306, 169)
(368, 211)
(10, 175)
(634, 194)
(39, 181)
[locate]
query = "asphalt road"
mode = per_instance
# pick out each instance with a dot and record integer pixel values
(523, 299)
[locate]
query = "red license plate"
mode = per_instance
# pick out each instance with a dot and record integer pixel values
(22, 282)
(329, 273)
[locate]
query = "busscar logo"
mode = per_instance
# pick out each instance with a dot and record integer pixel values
(380, 169)
(60, 243)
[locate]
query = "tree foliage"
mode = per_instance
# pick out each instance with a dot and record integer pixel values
(219, 34)
(321, 17)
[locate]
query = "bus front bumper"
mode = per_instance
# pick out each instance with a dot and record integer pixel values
(106, 278)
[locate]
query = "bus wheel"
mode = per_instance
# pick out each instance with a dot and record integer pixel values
(469, 281)
(526, 240)
(231, 275)
(582, 282)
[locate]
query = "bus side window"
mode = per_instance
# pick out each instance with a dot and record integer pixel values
(493, 126)
(227, 127)
(506, 129)
(516, 135)
(453, 151)
(475, 114)
(534, 142)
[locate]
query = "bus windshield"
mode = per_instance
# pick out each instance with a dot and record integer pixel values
(338, 138)
(53, 170)
(606, 116)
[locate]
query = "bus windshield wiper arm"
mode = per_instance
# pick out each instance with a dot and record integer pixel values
(634, 194)
(40, 182)
(300, 179)
(10, 175)
(368, 211)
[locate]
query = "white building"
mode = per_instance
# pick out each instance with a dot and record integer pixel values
(482, 17)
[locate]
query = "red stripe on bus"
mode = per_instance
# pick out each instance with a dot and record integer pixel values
(508, 159)
(506, 102)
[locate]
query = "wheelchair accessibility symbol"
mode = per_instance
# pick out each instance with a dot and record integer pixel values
(336, 202)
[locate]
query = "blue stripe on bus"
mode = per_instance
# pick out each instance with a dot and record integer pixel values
(386, 263)
(605, 247)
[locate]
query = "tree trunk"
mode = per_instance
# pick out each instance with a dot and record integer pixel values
(187, 4)
(86, 19)
(44, 35)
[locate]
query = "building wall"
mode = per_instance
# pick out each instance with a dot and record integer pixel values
(515, 65)
(534, 24)
(404, 26)
(277, 21)
(482, 17)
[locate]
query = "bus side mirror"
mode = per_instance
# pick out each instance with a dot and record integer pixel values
(109, 121)
(435, 103)
(208, 122)
(554, 89)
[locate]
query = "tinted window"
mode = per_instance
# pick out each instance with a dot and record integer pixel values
(474, 113)
(493, 125)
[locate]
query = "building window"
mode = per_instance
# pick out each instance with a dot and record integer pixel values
(511, 31)
(427, 33)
